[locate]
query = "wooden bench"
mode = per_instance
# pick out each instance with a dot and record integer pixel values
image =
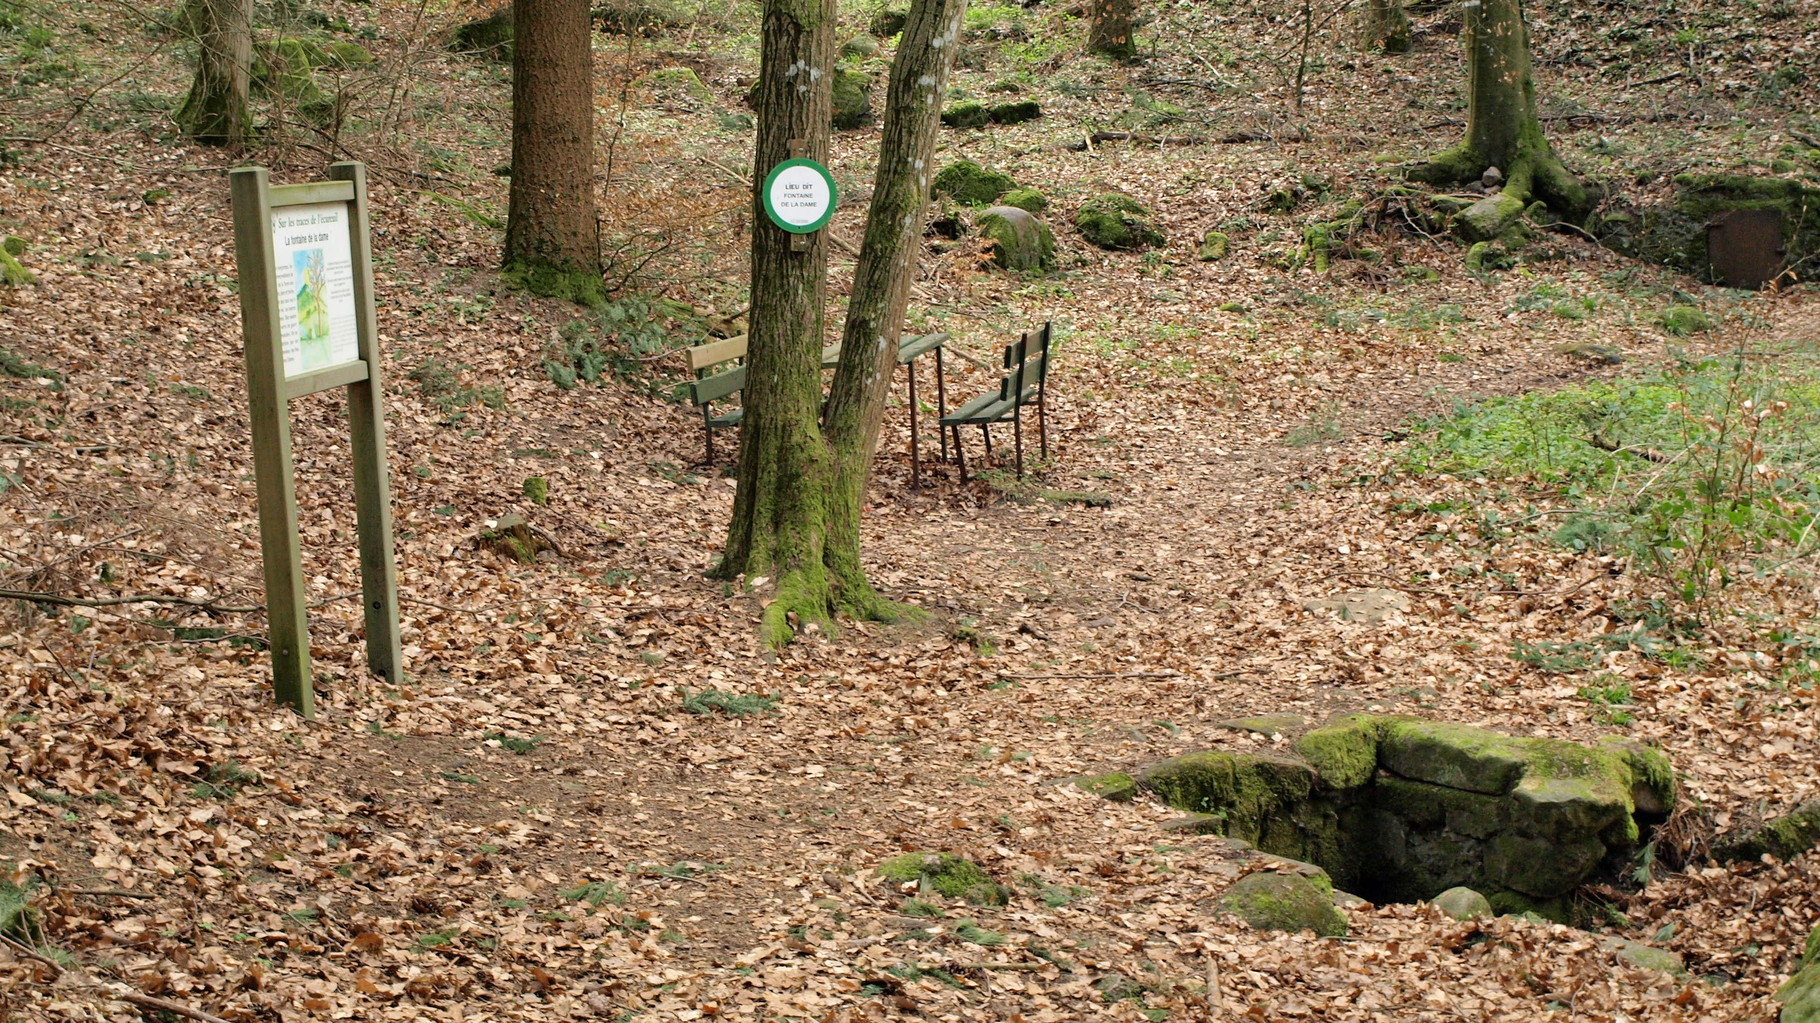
(1023, 385)
(720, 373)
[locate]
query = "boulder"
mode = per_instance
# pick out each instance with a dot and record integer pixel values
(1019, 240)
(1270, 901)
(1214, 246)
(859, 48)
(13, 274)
(966, 114)
(1800, 997)
(852, 98)
(888, 23)
(1682, 320)
(1028, 199)
(1118, 222)
(489, 37)
(1015, 112)
(1647, 957)
(1784, 837)
(1463, 903)
(968, 183)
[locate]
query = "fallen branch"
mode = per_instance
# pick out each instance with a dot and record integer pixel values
(209, 604)
(1134, 674)
(110, 991)
(1231, 138)
(1603, 443)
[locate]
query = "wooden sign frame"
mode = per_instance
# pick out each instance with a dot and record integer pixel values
(269, 393)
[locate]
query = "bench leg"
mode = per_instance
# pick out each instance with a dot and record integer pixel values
(986, 429)
(941, 402)
(1042, 420)
(707, 432)
(916, 467)
(960, 454)
(1017, 434)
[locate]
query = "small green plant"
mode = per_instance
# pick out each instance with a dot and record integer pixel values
(595, 893)
(514, 743)
(969, 931)
(224, 781)
(1555, 658)
(733, 705)
(437, 939)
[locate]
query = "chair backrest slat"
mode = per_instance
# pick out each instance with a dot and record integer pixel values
(717, 386)
(704, 357)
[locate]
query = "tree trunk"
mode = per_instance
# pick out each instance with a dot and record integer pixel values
(216, 110)
(1109, 33)
(1502, 129)
(779, 507)
(1385, 26)
(881, 284)
(552, 233)
(797, 509)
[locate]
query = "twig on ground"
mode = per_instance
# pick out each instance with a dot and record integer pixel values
(1133, 674)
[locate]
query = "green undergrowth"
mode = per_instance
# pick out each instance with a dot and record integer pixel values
(1699, 471)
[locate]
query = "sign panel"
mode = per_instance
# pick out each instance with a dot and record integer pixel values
(314, 265)
(800, 196)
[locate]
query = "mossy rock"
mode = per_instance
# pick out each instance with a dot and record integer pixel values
(859, 48)
(966, 114)
(635, 17)
(888, 22)
(344, 54)
(1784, 837)
(1118, 222)
(1118, 786)
(1462, 903)
(1019, 240)
(1214, 246)
(1027, 199)
(537, 489)
(1676, 234)
(968, 183)
(13, 274)
(1682, 320)
(1270, 901)
(14, 245)
(1800, 997)
(1267, 724)
(489, 37)
(679, 81)
(1647, 957)
(1015, 112)
(1488, 218)
(1486, 257)
(852, 98)
(945, 874)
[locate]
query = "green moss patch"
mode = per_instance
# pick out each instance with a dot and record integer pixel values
(945, 874)
(967, 182)
(1118, 222)
(1283, 902)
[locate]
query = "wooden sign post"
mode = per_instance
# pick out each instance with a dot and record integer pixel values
(307, 317)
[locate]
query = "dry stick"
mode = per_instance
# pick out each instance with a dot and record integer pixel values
(151, 598)
(131, 997)
(1135, 674)
(118, 893)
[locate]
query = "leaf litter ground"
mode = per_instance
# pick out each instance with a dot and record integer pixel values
(534, 827)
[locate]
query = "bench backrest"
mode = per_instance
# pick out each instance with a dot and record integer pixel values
(705, 357)
(716, 386)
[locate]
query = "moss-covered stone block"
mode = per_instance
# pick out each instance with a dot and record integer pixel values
(1027, 199)
(1462, 903)
(967, 182)
(1118, 222)
(489, 37)
(1214, 246)
(1267, 724)
(13, 274)
(1783, 837)
(1015, 111)
(966, 114)
(859, 48)
(1676, 233)
(888, 22)
(537, 489)
(1271, 901)
(1019, 240)
(1682, 320)
(1488, 218)
(1457, 756)
(1646, 957)
(945, 874)
(852, 98)
(1345, 754)
(1800, 997)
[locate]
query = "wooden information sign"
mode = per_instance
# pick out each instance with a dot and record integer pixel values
(307, 317)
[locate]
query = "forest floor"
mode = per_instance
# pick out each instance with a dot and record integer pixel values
(546, 821)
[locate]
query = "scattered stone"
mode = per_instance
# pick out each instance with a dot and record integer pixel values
(1346, 900)
(1488, 218)
(1116, 786)
(513, 537)
(1232, 307)
(1463, 903)
(1647, 957)
(1604, 355)
(1682, 320)
(1214, 246)
(489, 37)
(537, 490)
(852, 98)
(13, 274)
(969, 183)
(947, 875)
(1019, 240)
(859, 48)
(1487, 257)
(1783, 837)
(966, 114)
(1371, 607)
(1267, 724)
(1118, 222)
(1492, 178)
(1027, 199)
(1270, 901)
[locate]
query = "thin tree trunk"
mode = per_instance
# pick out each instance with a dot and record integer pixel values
(1502, 129)
(1109, 31)
(881, 284)
(779, 506)
(216, 110)
(1386, 26)
(552, 232)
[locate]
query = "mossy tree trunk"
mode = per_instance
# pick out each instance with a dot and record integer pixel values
(1384, 26)
(796, 512)
(1109, 29)
(216, 110)
(1502, 129)
(551, 228)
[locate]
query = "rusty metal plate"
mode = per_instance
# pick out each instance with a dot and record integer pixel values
(1745, 248)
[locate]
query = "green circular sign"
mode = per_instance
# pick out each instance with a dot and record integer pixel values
(799, 196)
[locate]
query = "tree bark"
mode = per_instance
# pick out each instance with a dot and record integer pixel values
(552, 231)
(1385, 26)
(1109, 31)
(796, 512)
(216, 110)
(1502, 129)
